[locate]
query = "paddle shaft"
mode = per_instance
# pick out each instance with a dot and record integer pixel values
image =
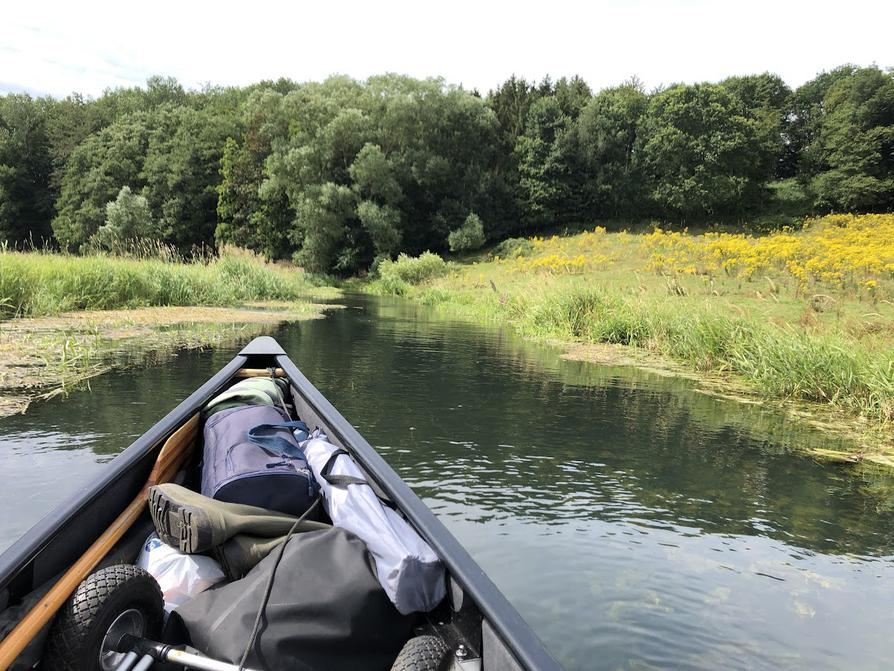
(171, 457)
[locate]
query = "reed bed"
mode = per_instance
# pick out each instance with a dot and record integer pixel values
(41, 283)
(778, 360)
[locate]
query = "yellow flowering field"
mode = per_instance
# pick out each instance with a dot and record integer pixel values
(846, 251)
(556, 255)
(849, 253)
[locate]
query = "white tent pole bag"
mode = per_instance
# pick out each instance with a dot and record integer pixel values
(408, 569)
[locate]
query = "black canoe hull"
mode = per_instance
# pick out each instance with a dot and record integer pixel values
(55, 542)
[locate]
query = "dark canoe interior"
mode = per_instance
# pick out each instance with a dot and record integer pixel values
(475, 613)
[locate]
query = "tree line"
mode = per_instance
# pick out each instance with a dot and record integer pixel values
(342, 174)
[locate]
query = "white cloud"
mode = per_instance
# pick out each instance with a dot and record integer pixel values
(89, 46)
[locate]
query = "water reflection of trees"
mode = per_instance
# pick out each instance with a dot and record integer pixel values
(478, 416)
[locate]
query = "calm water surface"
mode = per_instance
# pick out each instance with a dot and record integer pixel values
(633, 521)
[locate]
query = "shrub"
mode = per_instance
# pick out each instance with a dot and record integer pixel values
(393, 286)
(412, 270)
(469, 236)
(512, 248)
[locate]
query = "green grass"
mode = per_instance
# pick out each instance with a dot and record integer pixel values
(778, 361)
(34, 284)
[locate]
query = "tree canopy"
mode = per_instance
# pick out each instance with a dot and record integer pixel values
(342, 174)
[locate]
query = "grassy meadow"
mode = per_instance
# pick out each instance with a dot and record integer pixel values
(797, 314)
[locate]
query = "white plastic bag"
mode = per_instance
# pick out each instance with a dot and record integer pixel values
(180, 576)
(407, 568)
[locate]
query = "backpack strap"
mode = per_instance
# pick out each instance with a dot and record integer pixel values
(277, 446)
(343, 480)
(339, 479)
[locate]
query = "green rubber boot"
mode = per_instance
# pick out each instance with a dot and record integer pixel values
(193, 523)
(242, 552)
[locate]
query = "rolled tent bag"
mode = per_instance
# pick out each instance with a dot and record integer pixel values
(408, 569)
(253, 391)
(326, 610)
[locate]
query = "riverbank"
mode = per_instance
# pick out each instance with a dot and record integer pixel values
(44, 356)
(69, 318)
(798, 318)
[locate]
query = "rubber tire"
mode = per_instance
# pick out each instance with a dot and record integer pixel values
(77, 632)
(421, 653)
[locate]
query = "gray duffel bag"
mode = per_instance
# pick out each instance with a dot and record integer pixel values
(326, 610)
(251, 457)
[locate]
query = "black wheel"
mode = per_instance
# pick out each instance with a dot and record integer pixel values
(117, 600)
(421, 653)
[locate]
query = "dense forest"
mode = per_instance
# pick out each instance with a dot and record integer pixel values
(343, 173)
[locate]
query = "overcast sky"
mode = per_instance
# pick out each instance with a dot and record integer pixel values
(88, 46)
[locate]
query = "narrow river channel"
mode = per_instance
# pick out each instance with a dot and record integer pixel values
(634, 522)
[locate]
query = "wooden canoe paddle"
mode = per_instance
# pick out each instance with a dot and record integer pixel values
(171, 457)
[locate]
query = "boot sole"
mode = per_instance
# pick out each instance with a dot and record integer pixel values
(179, 525)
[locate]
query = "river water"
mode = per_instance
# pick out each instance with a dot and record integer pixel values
(635, 522)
